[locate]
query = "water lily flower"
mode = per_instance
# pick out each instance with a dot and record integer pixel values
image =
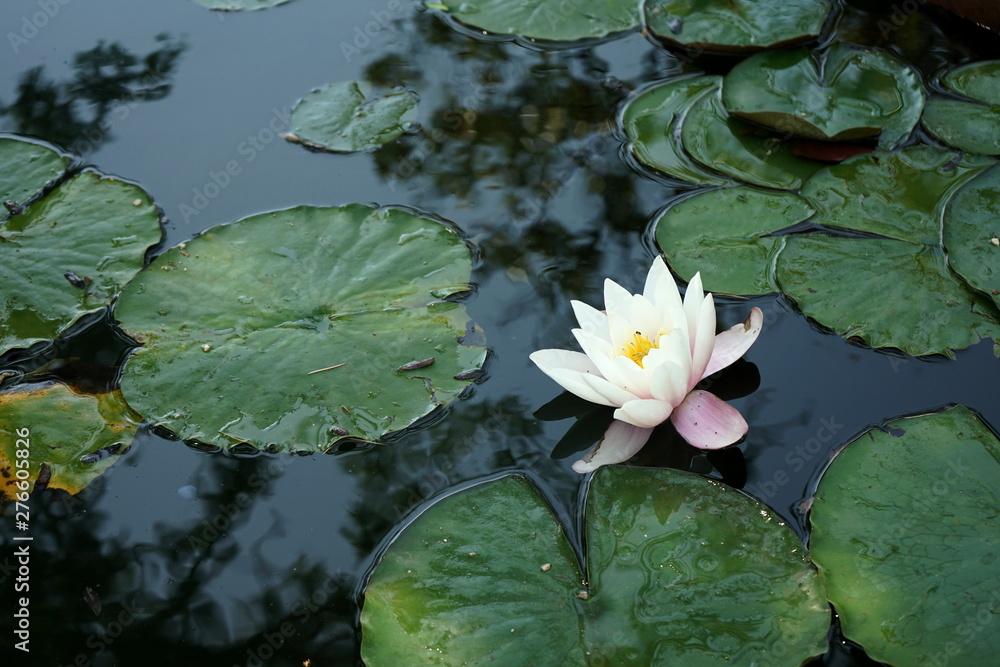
(644, 355)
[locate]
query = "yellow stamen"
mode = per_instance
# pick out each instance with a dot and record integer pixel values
(638, 348)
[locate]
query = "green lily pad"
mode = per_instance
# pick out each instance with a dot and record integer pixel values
(237, 324)
(887, 292)
(681, 570)
(653, 122)
(339, 118)
(239, 5)
(899, 194)
(970, 125)
(972, 232)
(76, 436)
(725, 234)
(550, 20)
(849, 93)
(896, 200)
(736, 26)
(69, 254)
(26, 168)
(736, 148)
(904, 532)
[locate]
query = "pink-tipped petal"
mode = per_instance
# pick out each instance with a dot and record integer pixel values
(620, 443)
(733, 343)
(644, 412)
(708, 422)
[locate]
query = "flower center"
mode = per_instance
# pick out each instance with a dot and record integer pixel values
(637, 348)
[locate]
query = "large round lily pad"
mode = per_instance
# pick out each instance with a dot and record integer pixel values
(235, 322)
(339, 118)
(725, 234)
(549, 20)
(25, 169)
(847, 93)
(972, 124)
(972, 232)
(882, 216)
(680, 570)
(905, 534)
(653, 122)
(69, 253)
(75, 436)
(735, 25)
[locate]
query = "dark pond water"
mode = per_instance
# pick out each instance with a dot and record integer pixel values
(199, 558)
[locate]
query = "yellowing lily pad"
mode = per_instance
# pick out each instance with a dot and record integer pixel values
(76, 437)
(735, 25)
(904, 531)
(679, 570)
(844, 93)
(70, 252)
(339, 118)
(290, 330)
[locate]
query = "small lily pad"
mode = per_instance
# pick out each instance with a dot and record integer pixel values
(725, 143)
(736, 26)
(549, 20)
(291, 330)
(339, 118)
(904, 532)
(76, 437)
(972, 232)
(25, 169)
(680, 570)
(653, 122)
(972, 124)
(239, 5)
(69, 253)
(846, 93)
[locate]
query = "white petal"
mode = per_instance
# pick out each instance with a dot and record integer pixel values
(701, 350)
(575, 383)
(733, 343)
(620, 443)
(632, 377)
(669, 383)
(708, 422)
(645, 317)
(547, 360)
(613, 394)
(600, 352)
(622, 332)
(692, 306)
(591, 319)
(617, 299)
(645, 412)
(661, 289)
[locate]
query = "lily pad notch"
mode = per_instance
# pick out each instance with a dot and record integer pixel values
(297, 329)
